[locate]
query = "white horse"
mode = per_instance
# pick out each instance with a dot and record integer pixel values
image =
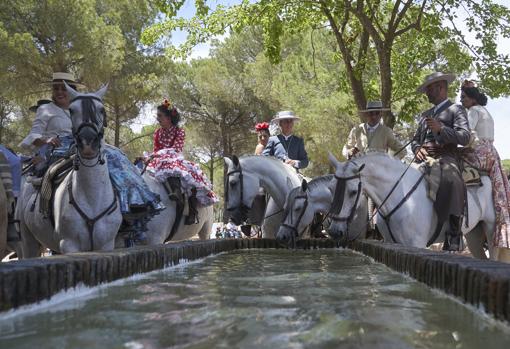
(314, 197)
(86, 213)
(160, 226)
(412, 218)
(244, 178)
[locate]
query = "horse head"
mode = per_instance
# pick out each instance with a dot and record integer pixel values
(240, 190)
(88, 116)
(347, 196)
(297, 214)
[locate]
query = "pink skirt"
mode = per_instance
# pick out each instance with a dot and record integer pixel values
(168, 163)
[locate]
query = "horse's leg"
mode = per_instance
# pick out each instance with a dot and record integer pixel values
(475, 240)
(205, 231)
(30, 247)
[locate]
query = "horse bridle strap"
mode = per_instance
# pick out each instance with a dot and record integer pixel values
(241, 196)
(294, 227)
(90, 222)
(404, 199)
(338, 197)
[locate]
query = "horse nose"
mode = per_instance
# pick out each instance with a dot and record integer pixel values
(336, 234)
(282, 237)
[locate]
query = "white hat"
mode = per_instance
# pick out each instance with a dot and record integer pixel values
(286, 114)
(374, 106)
(59, 77)
(435, 77)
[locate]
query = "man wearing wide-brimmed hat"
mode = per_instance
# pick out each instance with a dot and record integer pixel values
(52, 120)
(441, 130)
(372, 135)
(286, 146)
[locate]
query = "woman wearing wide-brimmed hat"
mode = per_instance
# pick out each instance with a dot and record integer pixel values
(372, 135)
(52, 120)
(286, 146)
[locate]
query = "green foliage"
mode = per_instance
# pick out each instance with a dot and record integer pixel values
(408, 39)
(506, 166)
(98, 41)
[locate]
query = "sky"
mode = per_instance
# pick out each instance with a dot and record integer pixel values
(499, 108)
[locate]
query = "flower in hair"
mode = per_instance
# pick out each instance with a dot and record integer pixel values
(261, 126)
(166, 103)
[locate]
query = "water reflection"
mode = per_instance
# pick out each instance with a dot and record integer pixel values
(259, 299)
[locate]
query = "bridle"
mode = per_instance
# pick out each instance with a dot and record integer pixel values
(242, 206)
(88, 123)
(294, 228)
(338, 200)
(341, 186)
(90, 222)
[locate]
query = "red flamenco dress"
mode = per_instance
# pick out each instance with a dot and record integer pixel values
(168, 161)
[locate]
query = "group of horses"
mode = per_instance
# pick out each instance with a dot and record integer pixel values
(405, 213)
(87, 216)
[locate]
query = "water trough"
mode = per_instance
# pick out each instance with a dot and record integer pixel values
(484, 284)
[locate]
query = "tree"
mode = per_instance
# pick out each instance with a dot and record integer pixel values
(361, 28)
(100, 44)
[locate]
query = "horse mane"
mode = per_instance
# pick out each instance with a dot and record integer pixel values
(89, 111)
(312, 185)
(277, 161)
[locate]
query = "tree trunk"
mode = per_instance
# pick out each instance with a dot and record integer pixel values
(386, 84)
(116, 111)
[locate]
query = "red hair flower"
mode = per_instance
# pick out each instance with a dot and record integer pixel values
(261, 126)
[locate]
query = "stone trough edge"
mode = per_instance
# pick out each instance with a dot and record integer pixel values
(481, 283)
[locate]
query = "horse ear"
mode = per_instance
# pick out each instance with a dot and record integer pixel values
(235, 160)
(71, 91)
(361, 168)
(304, 185)
(290, 186)
(228, 162)
(102, 91)
(333, 160)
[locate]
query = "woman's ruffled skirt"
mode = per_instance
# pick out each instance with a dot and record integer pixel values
(133, 192)
(487, 158)
(169, 163)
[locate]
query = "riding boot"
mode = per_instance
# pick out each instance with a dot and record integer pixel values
(13, 234)
(453, 235)
(192, 217)
(174, 184)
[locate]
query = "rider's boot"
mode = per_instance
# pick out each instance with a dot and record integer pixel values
(174, 184)
(453, 235)
(192, 217)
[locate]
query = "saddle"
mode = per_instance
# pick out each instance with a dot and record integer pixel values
(50, 181)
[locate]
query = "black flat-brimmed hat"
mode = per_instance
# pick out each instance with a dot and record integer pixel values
(59, 77)
(435, 77)
(39, 103)
(374, 106)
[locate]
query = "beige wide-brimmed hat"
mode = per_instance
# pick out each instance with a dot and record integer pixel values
(435, 77)
(59, 77)
(286, 114)
(374, 106)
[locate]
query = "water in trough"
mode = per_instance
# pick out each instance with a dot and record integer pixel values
(259, 299)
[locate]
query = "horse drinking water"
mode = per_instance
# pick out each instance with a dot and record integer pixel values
(408, 216)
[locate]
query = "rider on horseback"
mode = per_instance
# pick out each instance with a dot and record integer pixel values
(52, 136)
(441, 129)
(286, 146)
(169, 166)
(372, 134)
